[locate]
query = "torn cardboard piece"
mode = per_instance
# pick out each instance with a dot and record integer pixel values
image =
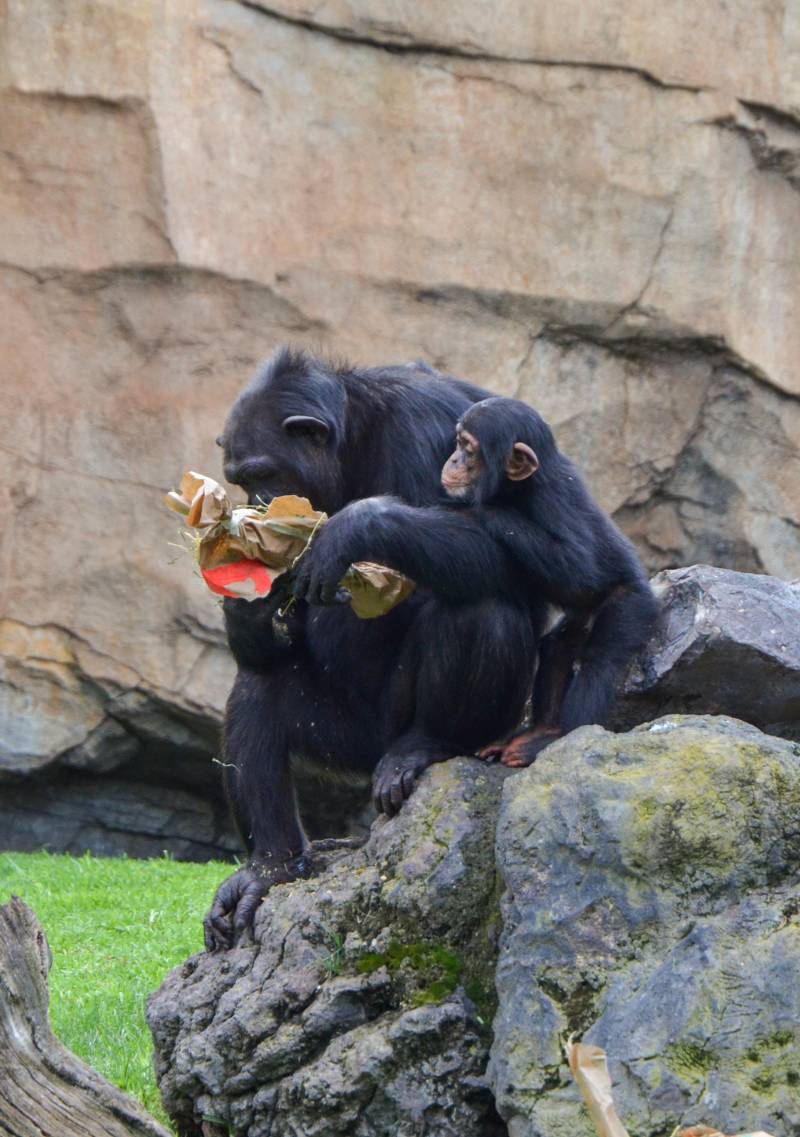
(277, 536)
(589, 1068)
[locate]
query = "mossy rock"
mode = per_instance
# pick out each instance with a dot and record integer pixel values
(652, 906)
(364, 1003)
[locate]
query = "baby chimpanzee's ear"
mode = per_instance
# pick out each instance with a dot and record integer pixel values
(522, 464)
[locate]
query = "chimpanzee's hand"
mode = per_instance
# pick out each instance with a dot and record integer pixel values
(250, 627)
(239, 896)
(394, 780)
(321, 568)
(241, 613)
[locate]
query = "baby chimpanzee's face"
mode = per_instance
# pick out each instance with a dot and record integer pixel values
(464, 467)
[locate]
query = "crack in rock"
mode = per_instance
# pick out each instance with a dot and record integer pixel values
(409, 46)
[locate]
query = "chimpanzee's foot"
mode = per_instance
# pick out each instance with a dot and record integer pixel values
(238, 897)
(524, 749)
(394, 779)
(495, 751)
(491, 753)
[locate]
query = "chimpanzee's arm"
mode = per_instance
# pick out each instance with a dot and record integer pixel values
(445, 549)
(572, 552)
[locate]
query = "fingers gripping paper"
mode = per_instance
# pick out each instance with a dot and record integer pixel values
(236, 546)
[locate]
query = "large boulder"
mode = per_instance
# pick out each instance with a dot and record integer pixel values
(363, 1006)
(651, 905)
(728, 643)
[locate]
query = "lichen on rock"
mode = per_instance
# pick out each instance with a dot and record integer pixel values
(352, 1012)
(651, 904)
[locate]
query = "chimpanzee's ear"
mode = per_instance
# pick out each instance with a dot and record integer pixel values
(306, 426)
(522, 464)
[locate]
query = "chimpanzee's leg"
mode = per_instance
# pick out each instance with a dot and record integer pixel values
(255, 772)
(621, 626)
(270, 715)
(581, 663)
(558, 653)
(462, 679)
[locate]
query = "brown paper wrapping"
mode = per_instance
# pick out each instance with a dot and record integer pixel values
(277, 535)
(375, 590)
(590, 1070)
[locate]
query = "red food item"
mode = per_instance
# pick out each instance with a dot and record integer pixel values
(242, 580)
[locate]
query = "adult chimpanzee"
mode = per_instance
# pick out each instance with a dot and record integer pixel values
(523, 526)
(445, 672)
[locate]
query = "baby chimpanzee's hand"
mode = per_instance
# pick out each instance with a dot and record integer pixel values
(320, 570)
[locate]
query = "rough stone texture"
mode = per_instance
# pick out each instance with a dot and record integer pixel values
(110, 816)
(729, 643)
(70, 715)
(290, 1036)
(652, 904)
(591, 209)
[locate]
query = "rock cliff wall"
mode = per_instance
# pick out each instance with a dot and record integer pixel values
(593, 207)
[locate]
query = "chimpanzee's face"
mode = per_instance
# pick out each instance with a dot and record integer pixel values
(268, 458)
(279, 440)
(488, 458)
(462, 470)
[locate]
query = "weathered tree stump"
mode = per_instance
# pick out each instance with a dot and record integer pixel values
(45, 1091)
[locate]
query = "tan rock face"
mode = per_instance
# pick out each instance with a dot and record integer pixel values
(596, 211)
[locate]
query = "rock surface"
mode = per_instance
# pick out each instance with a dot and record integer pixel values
(651, 904)
(645, 897)
(594, 213)
(362, 1008)
(729, 643)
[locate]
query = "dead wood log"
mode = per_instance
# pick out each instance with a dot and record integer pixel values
(45, 1091)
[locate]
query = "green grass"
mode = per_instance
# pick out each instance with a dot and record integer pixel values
(115, 927)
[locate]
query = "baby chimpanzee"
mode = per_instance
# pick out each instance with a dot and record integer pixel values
(507, 465)
(520, 526)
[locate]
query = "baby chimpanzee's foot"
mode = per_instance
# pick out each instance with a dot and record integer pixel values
(491, 753)
(394, 780)
(523, 750)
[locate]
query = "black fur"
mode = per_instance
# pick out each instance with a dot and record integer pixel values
(514, 542)
(444, 673)
(572, 551)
